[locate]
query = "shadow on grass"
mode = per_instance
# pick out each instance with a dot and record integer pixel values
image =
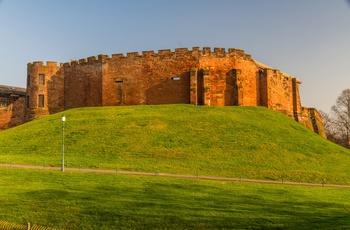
(90, 201)
(198, 206)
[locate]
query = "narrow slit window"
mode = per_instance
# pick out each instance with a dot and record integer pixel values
(41, 79)
(41, 99)
(27, 101)
(176, 78)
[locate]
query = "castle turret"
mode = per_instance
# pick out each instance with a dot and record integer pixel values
(39, 84)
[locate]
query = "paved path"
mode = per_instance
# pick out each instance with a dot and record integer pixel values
(171, 175)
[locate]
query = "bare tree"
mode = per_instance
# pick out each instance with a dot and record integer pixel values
(338, 123)
(329, 127)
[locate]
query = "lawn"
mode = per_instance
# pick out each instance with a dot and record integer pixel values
(105, 201)
(252, 142)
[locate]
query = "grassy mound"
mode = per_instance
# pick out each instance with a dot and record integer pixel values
(252, 142)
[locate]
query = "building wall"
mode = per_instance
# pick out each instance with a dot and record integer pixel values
(232, 77)
(55, 92)
(148, 78)
(164, 78)
(202, 77)
(83, 83)
(13, 113)
(279, 91)
(41, 82)
(17, 111)
(5, 117)
(310, 118)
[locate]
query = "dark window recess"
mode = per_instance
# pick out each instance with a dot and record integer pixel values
(41, 79)
(27, 101)
(119, 81)
(41, 100)
(28, 80)
(176, 78)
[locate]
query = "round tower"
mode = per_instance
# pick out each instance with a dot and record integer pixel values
(37, 96)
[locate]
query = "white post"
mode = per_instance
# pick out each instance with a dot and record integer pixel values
(63, 120)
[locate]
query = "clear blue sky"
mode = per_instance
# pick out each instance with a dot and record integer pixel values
(308, 39)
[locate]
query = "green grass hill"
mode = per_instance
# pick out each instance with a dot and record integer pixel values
(252, 142)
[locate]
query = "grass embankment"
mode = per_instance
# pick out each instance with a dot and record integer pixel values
(253, 142)
(100, 201)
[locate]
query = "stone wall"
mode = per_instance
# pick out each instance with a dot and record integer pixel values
(82, 83)
(231, 77)
(310, 118)
(17, 111)
(147, 78)
(201, 77)
(165, 78)
(41, 82)
(12, 107)
(5, 117)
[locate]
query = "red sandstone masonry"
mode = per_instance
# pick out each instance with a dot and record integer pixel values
(12, 115)
(12, 106)
(201, 77)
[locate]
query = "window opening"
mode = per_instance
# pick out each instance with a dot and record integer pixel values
(41, 79)
(27, 101)
(41, 100)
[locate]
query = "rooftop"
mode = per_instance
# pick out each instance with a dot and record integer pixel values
(4, 89)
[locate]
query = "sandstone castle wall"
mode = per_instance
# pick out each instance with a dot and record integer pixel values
(199, 76)
(12, 106)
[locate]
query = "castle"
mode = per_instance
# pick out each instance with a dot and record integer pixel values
(198, 76)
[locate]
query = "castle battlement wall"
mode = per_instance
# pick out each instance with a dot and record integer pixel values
(218, 76)
(42, 65)
(205, 52)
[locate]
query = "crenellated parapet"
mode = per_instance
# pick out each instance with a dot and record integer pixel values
(196, 52)
(84, 61)
(183, 52)
(200, 76)
(40, 64)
